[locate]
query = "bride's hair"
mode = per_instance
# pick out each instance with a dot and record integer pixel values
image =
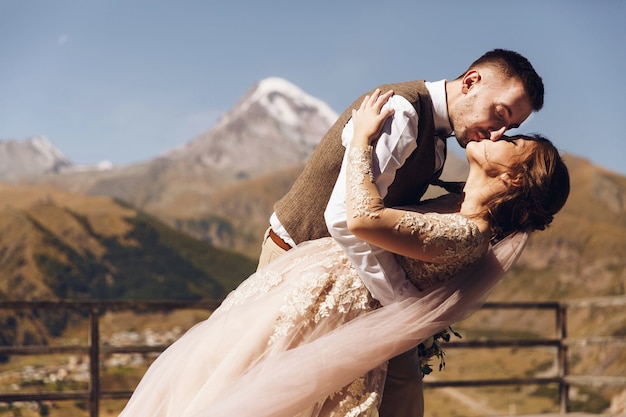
(544, 190)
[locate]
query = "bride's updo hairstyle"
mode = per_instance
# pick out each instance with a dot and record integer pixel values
(542, 193)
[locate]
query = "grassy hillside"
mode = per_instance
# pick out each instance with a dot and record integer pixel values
(56, 245)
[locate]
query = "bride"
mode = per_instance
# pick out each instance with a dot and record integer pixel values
(303, 336)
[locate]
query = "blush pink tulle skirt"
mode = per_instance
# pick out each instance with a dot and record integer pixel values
(302, 337)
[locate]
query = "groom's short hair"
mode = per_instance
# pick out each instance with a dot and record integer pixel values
(513, 65)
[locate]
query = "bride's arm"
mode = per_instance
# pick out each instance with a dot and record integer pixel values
(428, 237)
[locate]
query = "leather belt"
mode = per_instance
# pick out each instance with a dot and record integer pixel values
(281, 243)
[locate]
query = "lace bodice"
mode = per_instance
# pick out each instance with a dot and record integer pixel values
(460, 236)
(432, 241)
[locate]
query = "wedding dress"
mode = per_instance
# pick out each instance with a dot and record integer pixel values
(303, 337)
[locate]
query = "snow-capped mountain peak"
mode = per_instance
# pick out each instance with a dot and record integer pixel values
(45, 148)
(29, 158)
(271, 92)
(275, 125)
(282, 100)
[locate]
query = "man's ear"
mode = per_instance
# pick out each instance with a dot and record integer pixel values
(470, 78)
(510, 181)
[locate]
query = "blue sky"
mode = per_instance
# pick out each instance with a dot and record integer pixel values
(125, 80)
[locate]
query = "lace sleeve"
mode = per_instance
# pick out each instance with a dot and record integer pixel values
(429, 237)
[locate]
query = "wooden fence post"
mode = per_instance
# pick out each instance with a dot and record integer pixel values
(94, 363)
(561, 322)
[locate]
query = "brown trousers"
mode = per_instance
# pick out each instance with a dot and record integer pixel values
(403, 395)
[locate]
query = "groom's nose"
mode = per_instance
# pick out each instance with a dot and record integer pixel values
(495, 135)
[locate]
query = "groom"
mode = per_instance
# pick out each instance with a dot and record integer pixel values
(497, 92)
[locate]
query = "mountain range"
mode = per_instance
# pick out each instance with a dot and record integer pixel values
(220, 186)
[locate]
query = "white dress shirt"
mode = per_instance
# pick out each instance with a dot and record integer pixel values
(378, 268)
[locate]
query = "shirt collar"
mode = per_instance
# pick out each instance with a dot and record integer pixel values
(437, 92)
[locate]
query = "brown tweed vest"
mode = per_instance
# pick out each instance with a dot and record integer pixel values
(301, 210)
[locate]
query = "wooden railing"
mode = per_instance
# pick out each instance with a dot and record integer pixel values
(561, 342)
(94, 349)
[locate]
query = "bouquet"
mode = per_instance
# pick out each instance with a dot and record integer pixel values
(432, 348)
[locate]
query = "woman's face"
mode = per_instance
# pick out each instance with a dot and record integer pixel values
(501, 156)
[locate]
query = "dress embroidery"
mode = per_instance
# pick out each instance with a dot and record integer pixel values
(320, 296)
(323, 300)
(359, 399)
(360, 161)
(459, 235)
(252, 288)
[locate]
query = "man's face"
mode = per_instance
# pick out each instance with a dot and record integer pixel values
(490, 105)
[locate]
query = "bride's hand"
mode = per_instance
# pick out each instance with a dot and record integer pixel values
(369, 118)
